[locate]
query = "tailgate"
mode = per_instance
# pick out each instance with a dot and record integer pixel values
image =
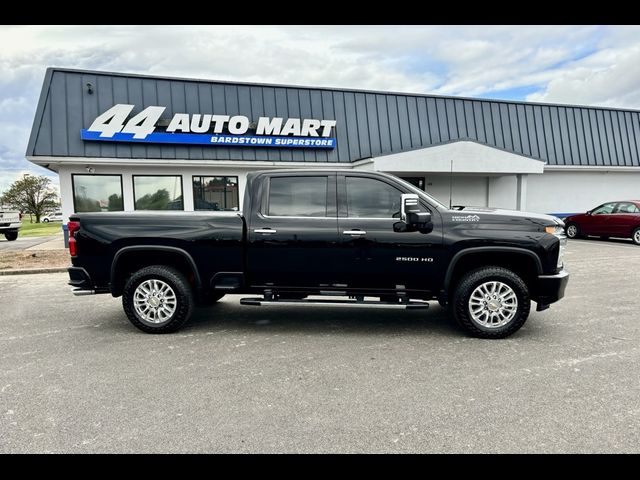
(9, 217)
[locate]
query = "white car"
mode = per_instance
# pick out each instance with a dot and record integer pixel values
(10, 223)
(52, 217)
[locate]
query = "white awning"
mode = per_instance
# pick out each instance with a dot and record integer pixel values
(459, 157)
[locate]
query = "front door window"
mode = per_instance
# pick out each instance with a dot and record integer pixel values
(370, 198)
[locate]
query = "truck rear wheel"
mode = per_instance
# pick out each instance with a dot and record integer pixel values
(158, 299)
(491, 302)
(11, 236)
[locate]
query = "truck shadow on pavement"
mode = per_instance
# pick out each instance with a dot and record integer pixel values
(319, 320)
(312, 320)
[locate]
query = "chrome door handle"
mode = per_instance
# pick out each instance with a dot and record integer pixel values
(265, 231)
(354, 233)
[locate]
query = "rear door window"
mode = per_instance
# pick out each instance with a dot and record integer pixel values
(298, 196)
(627, 207)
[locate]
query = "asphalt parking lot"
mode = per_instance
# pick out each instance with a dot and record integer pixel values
(22, 243)
(75, 376)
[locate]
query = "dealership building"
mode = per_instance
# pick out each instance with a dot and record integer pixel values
(135, 142)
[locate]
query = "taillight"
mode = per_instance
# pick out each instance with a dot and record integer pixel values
(73, 227)
(20, 215)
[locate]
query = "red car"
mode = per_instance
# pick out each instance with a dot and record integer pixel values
(611, 219)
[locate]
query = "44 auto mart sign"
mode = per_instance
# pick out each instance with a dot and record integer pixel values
(116, 125)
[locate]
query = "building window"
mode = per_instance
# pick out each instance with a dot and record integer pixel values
(158, 192)
(298, 196)
(215, 193)
(97, 193)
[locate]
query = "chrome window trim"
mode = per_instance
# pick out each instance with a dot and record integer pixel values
(369, 218)
(294, 216)
(332, 218)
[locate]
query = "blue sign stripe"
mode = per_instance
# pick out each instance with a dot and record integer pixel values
(213, 140)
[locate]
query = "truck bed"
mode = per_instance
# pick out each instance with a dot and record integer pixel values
(108, 237)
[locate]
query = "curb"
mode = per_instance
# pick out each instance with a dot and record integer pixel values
(33, 270)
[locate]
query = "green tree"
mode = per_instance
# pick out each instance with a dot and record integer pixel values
(115, 203)
(85, 204)
(155, 201)
(31, 194)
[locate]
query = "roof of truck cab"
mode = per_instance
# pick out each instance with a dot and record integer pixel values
(142, 213)
(308, 171)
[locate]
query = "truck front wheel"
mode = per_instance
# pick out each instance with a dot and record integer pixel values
(158, 299)
(491, 302)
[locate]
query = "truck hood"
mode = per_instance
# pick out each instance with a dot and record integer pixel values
(498, 214)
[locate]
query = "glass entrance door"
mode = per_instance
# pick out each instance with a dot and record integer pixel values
(415, 181)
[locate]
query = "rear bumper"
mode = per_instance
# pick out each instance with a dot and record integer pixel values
(9, 227)
(79, 279)
(550, 288)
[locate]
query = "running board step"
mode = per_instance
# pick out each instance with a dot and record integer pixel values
(259, 301)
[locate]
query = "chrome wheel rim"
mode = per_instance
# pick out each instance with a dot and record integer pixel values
(493, 304)
(636, 237)
(572, 230)
(154, 301)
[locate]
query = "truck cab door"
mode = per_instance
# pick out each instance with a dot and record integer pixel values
(292, 231)
(377, 252)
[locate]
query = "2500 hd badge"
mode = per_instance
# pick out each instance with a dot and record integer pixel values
(328, 239)
(414, 259)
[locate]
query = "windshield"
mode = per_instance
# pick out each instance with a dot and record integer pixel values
(423, 194)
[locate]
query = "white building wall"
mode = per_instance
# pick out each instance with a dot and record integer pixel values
(463, 190)
(66, 193)
(503, 192)
(579, 191)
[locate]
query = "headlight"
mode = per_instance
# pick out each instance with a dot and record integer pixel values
(554, 230)
(558, 231)
(563, 244)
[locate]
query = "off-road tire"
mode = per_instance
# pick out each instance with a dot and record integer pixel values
(181, 287)
(11, 236)
(466, 286)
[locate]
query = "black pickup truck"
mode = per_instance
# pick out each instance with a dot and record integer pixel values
(311, 236)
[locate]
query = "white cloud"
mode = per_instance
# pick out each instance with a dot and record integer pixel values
(609, 77)
(573, 64)
(10, 176)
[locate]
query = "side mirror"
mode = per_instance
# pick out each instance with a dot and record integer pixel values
(589, 212)
(410, 213)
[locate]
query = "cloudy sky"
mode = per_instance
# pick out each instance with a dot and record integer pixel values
(595, 65)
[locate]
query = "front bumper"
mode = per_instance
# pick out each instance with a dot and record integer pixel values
(550, 288)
